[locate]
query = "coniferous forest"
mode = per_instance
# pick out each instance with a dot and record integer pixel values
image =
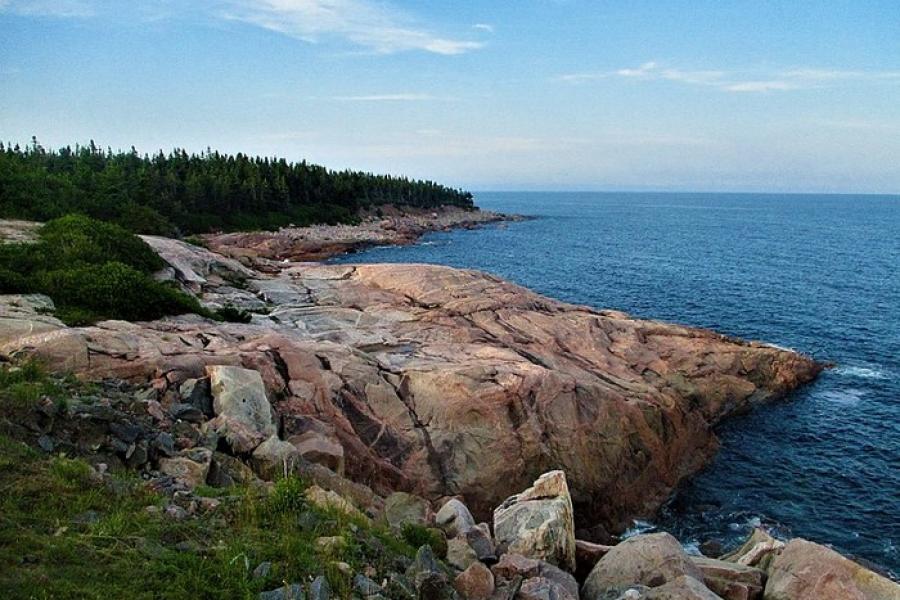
(182, 193)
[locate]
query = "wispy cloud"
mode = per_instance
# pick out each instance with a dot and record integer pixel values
(374, 26)
(484, 27)
(732, 81)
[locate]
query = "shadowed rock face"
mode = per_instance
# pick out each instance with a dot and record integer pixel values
(448, 382)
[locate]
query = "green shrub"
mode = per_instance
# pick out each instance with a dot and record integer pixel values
(93, 270)
(288, 496)
(77, 239)
(115, 291)
(418, 536)
(233, 314)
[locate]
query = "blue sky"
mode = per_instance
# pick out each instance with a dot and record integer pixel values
(526, 94)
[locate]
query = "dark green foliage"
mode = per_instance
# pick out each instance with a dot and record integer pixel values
(92, 270)
(418, 536)
(193, 193)
(233, 315)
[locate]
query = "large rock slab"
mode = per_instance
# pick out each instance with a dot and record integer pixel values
(651, 560)
(539, 522)
(443, 382)
(808, 571)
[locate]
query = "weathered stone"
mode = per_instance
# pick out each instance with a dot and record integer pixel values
(186, 412)
(479, 539)
(274, 457)
(293, 591)
(475, 583)
(651, 560)
(328, 499)
(539, 588)
(262, 570)
(320, 449)
(197, 393)
(539, 522)
(402, 509)
(759, 550)
(681, 588)
(515, 566)
(319, 589)
(365, 587)
(441, 381)
(189, 467)
(243, 413)
(428, 577)
(808, 571)
(731, 581)
(459, 554)
(331, 544)
(454, 518)
(225, 471)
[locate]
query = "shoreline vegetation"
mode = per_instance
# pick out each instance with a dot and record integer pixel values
(182, 194)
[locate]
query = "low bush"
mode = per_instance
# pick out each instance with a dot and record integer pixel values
(92, 270)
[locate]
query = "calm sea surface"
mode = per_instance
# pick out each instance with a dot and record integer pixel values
(817, 273)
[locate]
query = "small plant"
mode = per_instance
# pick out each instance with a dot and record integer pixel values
(288, 496)
(418, 535)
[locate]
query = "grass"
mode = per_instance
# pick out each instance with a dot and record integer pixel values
(67, 533)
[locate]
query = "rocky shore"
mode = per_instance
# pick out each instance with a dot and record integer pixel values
(387, 227)
(443, 393)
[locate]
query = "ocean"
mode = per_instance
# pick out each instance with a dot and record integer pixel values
(816, 273)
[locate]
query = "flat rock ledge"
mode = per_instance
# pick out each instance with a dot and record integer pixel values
(438, 381)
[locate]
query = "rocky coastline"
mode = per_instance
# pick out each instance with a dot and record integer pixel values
(407, 389)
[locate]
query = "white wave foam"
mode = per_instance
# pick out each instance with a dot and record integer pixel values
(847, 396)
(861, 372)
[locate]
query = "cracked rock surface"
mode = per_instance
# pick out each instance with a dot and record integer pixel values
(441, 381)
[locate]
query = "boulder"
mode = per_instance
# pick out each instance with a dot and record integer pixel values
(274, 457)
(317, 448)
(402, 509)
(539, 522)
(539, 588)
(429, 579)
(243, 412)
(475, 583)
(759, 550)
(681, 588)
(226, 471)
(479, 539)
(319, 589)
(808, 571)
(459, 554)
(454, 518)
(196, 392)
(330, 500)
(293, 591)
(188, 467)
(512, 567)
(651, 560)
(731, 581)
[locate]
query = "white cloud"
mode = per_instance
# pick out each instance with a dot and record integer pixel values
(796, 79)
(484, 27)
(374, 26)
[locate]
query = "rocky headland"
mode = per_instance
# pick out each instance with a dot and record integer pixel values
(393, 386)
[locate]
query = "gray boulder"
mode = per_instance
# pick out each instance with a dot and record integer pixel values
(243, 412)
(539, 522)
(454, 518)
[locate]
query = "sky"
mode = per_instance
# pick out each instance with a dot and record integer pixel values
(790, 96)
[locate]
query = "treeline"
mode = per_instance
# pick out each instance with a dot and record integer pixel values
(196, 193)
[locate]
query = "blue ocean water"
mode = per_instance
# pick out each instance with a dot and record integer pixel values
(816, 273)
